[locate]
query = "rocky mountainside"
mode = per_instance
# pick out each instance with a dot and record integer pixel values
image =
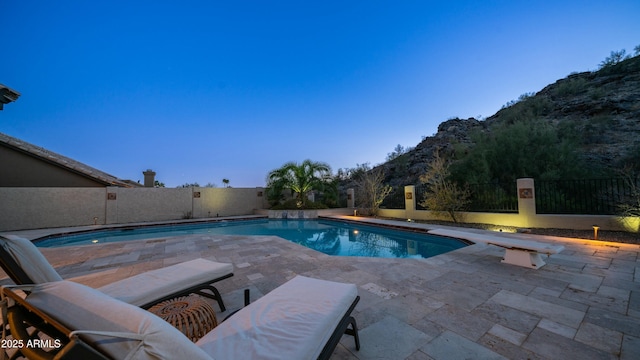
(601, 109)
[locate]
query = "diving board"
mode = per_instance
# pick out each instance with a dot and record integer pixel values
(526, 253)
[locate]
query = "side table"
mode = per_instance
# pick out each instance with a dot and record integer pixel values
(192, 315)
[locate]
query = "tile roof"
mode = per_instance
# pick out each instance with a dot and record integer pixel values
(64, 162)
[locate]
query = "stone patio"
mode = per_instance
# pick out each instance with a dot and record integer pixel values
(584, 304)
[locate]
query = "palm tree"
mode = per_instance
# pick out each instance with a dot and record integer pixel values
(300, 178)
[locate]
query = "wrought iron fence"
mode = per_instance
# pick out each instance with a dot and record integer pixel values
(420, 191)
(580, 197)
(583, 197)
(395, 200)
(340, 201)
(494, 197)
(491, 197)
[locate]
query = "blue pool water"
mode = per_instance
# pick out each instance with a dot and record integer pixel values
(330, 237)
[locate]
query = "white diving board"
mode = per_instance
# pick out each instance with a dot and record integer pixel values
(518, 252)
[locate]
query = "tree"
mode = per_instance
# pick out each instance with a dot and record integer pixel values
(225, 182)
(397, 152)
(352, 173)
(442, 194)
(158, 184)
(371, 191)
(300, 178)
(330, 192)
(629, 205)
(616, 57)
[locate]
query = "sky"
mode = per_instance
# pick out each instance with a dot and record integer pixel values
(201, 91)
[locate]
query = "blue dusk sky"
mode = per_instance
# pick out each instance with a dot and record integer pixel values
(199, 91)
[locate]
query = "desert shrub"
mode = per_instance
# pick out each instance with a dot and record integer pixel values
(615, 58)
(571, 86)
(371, 191)
(596, 93)
(529, 108)
(442, 195)
(523, 149)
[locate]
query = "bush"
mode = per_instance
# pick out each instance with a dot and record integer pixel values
(532, 148)
(525, 109)
(571, 86)
(443, 195)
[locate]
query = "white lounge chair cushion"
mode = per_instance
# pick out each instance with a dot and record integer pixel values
(294, 321)
(82, 308)
(149, 286)
(30, 259)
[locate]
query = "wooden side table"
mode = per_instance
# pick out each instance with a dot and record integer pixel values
(192, 315)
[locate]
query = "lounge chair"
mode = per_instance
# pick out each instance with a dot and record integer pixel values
(25, 264)
(302, 319)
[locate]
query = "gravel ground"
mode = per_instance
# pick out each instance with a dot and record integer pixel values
(616, 236)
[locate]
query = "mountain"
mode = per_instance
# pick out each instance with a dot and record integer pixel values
(599, 111)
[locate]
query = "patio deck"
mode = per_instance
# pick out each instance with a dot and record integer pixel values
(585, 303)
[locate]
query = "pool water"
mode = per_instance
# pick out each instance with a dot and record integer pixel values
(330, 237)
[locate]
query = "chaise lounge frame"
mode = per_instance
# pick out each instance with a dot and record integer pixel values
(20, 277)
(27, 321)
(342, 329)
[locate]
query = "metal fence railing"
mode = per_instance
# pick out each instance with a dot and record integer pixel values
(421, 190)
(582, 197)
(493, 197)
(338, 202)
(395, 200)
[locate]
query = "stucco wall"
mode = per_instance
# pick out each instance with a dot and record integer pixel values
(148, 204)
(35, 208)
(213, 202)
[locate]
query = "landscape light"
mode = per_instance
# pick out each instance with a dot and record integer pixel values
(595, 232)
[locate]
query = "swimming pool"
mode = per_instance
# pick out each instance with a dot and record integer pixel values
(327, 236)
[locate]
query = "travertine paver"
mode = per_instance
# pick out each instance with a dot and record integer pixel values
(560, 314)
(450, 345)
(630, 348)
(585, 303)
(507, 334)
(559, 329)
(394, 339)
(601, 338)
(551, 346)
